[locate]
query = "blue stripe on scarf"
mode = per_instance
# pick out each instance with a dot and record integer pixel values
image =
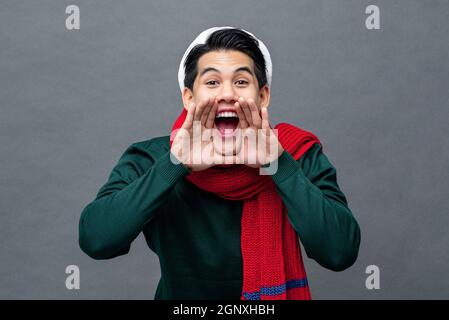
(275, 290)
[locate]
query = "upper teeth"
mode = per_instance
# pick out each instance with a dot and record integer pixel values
(226, 114)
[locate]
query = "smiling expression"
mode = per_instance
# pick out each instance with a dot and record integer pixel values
(226, 75)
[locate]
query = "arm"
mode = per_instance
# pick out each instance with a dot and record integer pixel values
(137, 186)
(318, 209)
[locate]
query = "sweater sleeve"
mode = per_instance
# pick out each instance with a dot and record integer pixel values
(137, 186)
(318, 209)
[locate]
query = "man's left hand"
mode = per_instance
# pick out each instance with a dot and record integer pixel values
(268, 147)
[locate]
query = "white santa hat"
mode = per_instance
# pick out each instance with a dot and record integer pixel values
(202, 38)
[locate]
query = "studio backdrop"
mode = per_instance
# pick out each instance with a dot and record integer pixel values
(81, 80)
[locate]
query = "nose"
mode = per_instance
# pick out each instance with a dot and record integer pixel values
(227, 93)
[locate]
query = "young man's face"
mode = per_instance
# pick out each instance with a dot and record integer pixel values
(226, 75)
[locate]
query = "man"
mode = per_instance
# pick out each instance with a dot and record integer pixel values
(222, 227)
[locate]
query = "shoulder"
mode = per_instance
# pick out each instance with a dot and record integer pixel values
(154, 146)
(316, 148)
(145, 152)
(316, 165)
(311, 154)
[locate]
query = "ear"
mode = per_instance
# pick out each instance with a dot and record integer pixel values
(264, 96)
(187, 97)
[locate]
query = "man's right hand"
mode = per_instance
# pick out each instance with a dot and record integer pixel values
(188, 146)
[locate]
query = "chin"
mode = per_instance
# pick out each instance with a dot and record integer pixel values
(228, 146)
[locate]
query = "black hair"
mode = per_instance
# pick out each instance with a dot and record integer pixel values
(226, 39)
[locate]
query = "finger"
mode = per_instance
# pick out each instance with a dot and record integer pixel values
(211, 118)
(241, 115)
(199, 110)
(255, 116)
(205, 114)
(265, 119)
(188, 122)
(246, 111)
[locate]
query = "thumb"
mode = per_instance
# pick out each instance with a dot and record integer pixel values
(188, 122)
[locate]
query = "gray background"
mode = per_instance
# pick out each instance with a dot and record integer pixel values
(73, 101)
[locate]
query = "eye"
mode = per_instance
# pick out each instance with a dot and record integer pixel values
(242, 82)
(212, 82)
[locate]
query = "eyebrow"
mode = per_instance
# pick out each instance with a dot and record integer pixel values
(210, 69)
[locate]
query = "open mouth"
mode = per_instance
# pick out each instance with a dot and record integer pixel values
(226, 122)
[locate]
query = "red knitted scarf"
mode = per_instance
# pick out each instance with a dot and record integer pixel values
(272, 263)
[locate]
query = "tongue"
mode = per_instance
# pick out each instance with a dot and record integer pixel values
(227, 125)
